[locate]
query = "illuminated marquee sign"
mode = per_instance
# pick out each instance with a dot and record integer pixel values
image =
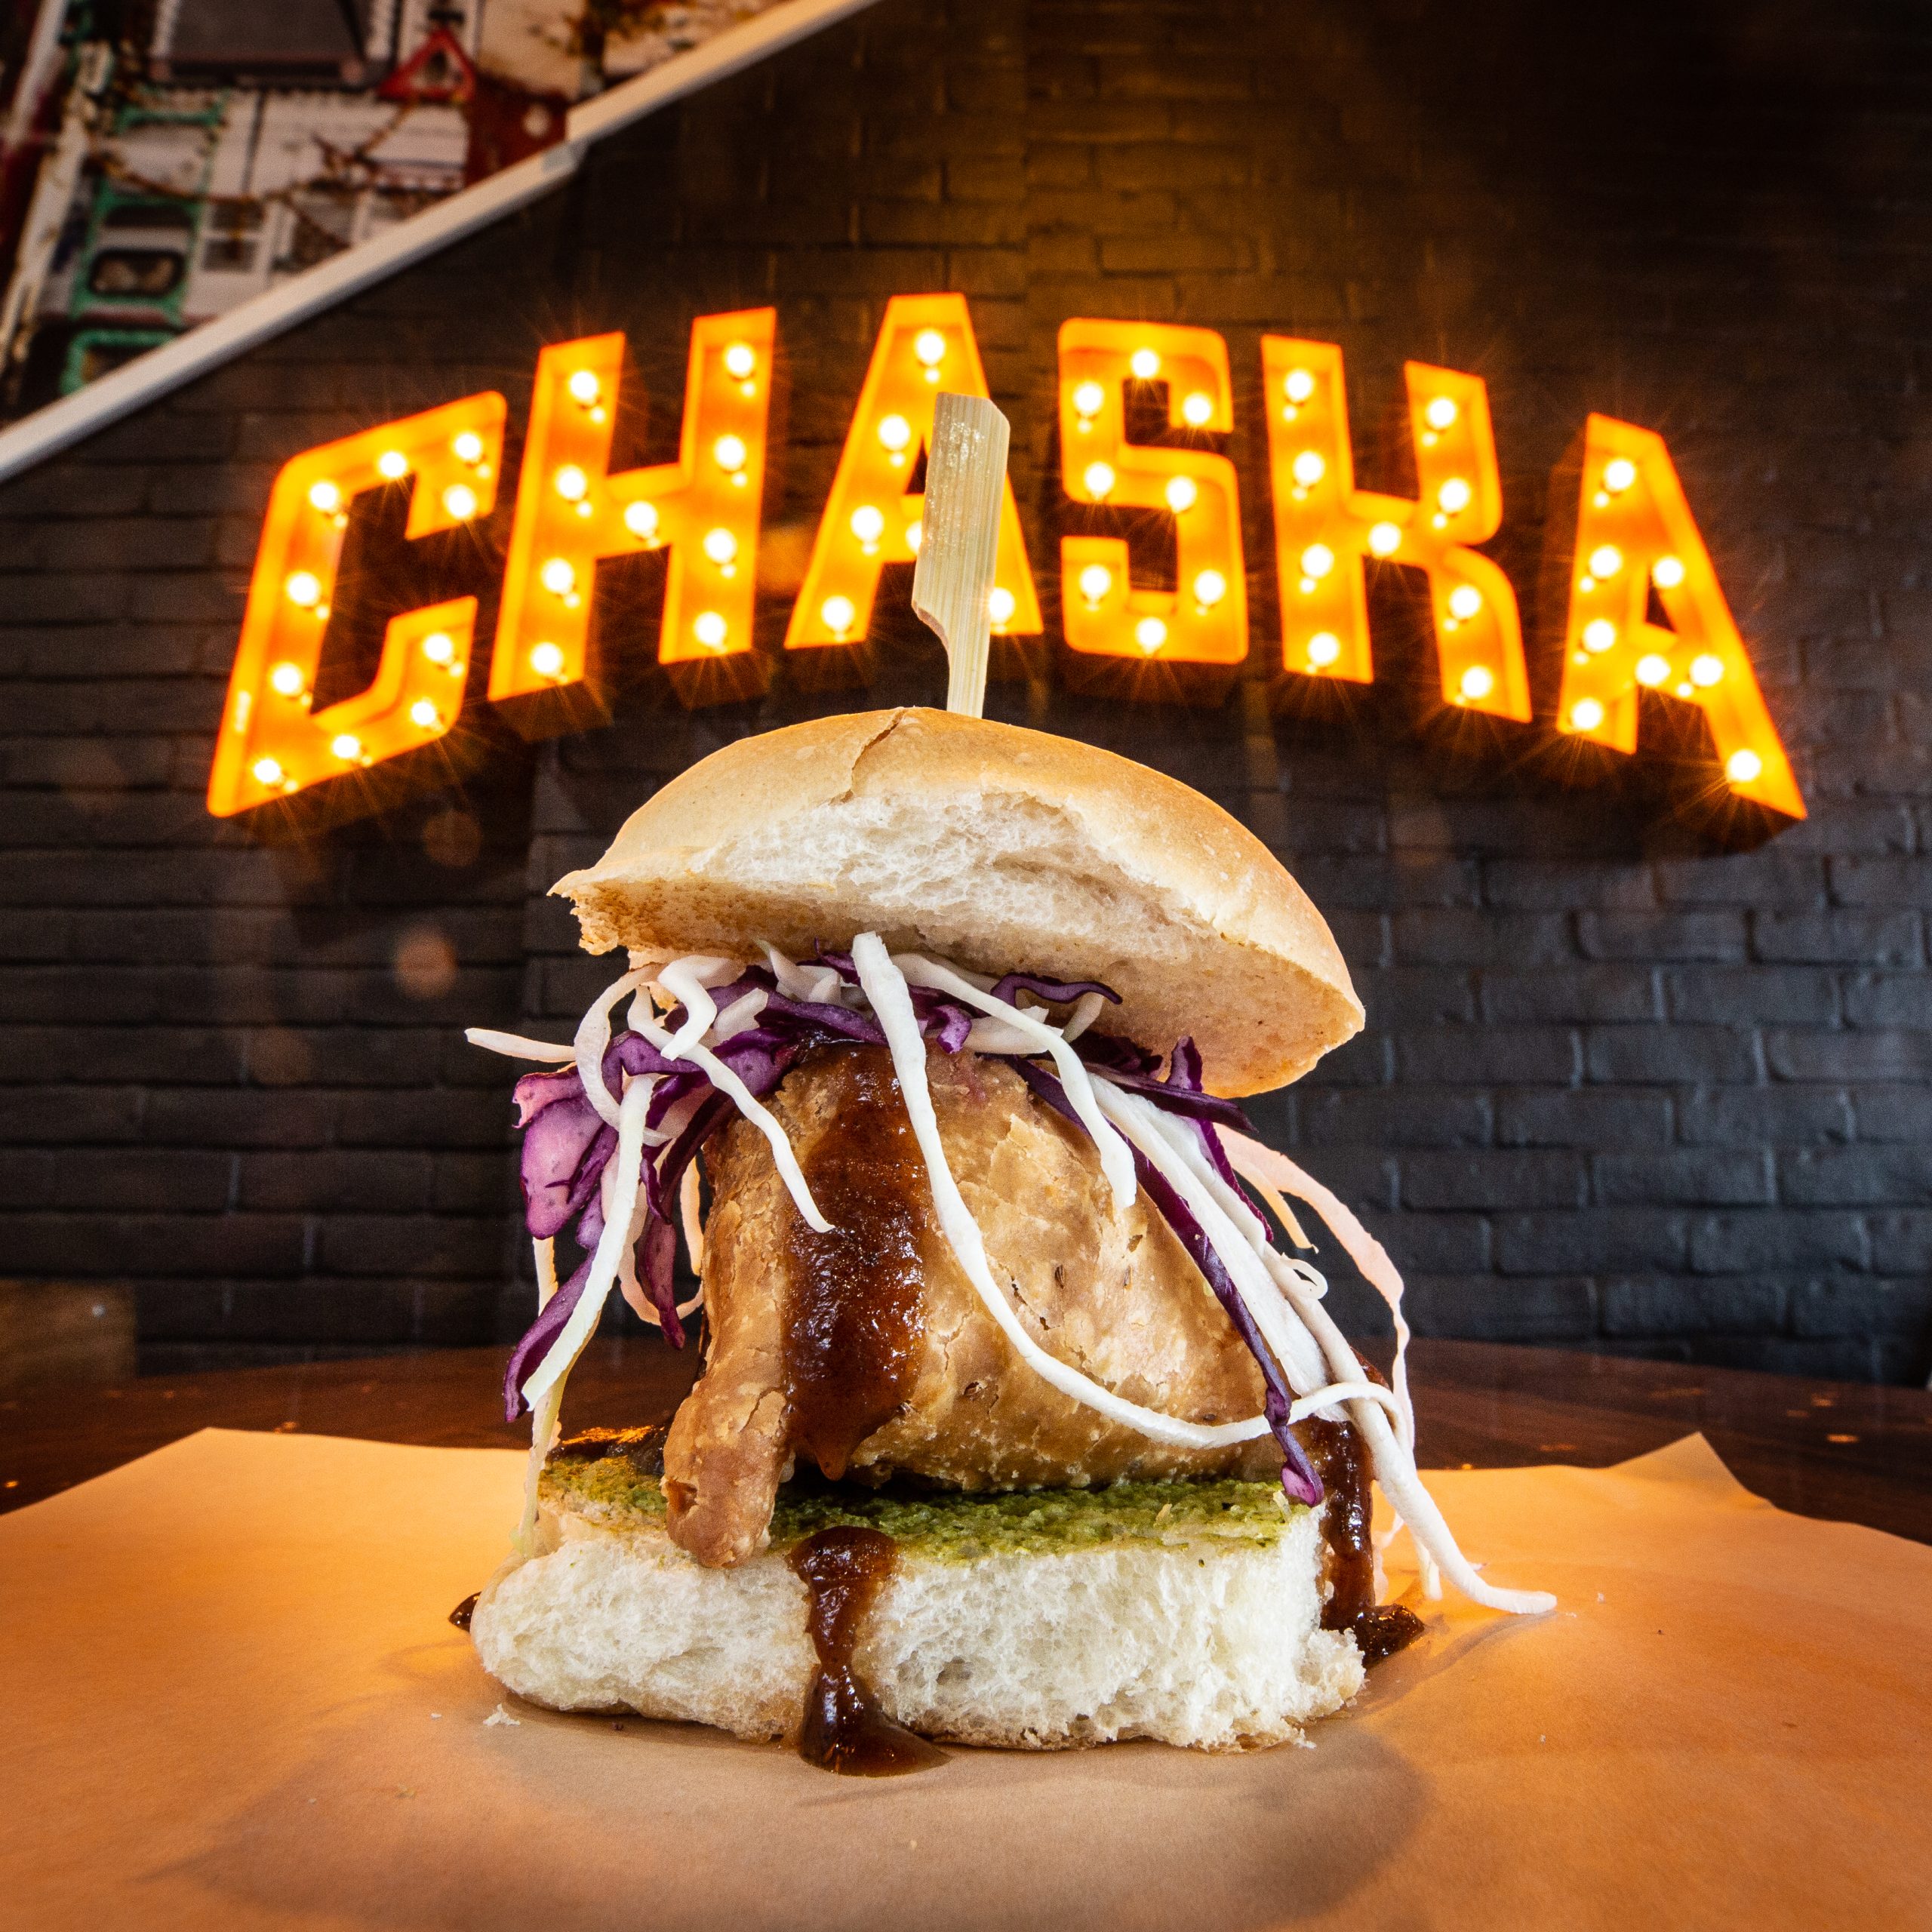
(1636, 549)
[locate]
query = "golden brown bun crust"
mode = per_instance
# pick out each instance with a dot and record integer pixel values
(1000, 848)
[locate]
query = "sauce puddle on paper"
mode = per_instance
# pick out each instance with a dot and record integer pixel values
(1379, 1629)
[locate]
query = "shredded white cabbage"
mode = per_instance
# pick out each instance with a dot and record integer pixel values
(593, 1041)
(516, 1046)
(543, 1416)
(689, 1202)
(689, 982)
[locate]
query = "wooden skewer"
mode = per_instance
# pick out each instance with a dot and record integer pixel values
(953, 582)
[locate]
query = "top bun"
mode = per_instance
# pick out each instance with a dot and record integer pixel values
(1001, 849)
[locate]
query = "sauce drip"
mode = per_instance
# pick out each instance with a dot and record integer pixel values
(1379, 1629)
(843, 1730)
(855, 1317)
(461, 1615)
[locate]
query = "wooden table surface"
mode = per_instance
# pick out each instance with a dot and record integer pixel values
(1842, 1450)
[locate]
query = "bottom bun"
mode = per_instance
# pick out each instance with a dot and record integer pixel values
(1188, 1613)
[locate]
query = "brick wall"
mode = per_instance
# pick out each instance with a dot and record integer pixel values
(1618, 1087)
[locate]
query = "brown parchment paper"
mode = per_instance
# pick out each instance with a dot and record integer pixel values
(228, 1696)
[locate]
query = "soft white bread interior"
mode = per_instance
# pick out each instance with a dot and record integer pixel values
(1200, 1640)
(1000, 848)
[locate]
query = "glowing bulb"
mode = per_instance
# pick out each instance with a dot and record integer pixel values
(1465, 600)
(1652, 670)
(868, 523)
(1308, 469)
(640, 520)
(730, 454)
(424, 715)
(459, 499)
(1317, 561)
(1442, 412)
(547, 659)
(288, 680)
(557, 577)
(1742, 766)
(710, 629)
(1384, 539)
(720, 545)
(895, 433)
(1618, 475)
(1477, 681)
(1197, 412)
(1707, 669)
(1144, 364)
(1300, 386)
(571, 483)
(266, 772)
(393, 466)
(326, 498)
(1001, 606)
(1181, 494)
(1099, 480)
(1585, 714)
(1599, 634)
(1089, 398)
(1210, 587)
(740, 359)
(439, 647)
(1096, 581)
(1606, 561)
(304, 587)
(1454, 495)
(916, 533)
(583, 387)
(1667, 573)
(348, 747)
(1150, 633)
(1324, 647)
(839, 613)
(929, 346)
(468, 446)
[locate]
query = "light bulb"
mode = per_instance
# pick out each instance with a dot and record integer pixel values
(1324, 647)
(1652, 670)
(1317, 561)
(1477, 681)
(1442, 412)
(1150, 634)
(838, 613)
(392, 465)
(730, 453)
(1308, 469)
(710, 629)
(547, 659)
(895, 433)
(1144, 364)
(266, 772)
(740, 359)
(325, 496)
(1181, 494)
(1742, 766)
(1089, 398)
(468, 446)
(1384, 539)
(557, 577)
(439, 647)
(305, 587)
(1465, 600)
(288, 680)
(1707, 669)
(1606, 561)
(347, 747)
(424, 715)
(459, 499)
(1667, 573)
(1001, 606)
(868, 523)
(1210, 587)
(1585, 714)
(929, 346)
(1300, 386)
(640, 520)
(1096, 581)
(1599, 634)
(571, 483)
(1099, 480)
(583, 387)
(1618, 475)
(1197, 411)
(720, 545)
(916, 533)
(1454, 495)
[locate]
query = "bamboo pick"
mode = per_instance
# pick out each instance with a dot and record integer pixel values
(959, 539)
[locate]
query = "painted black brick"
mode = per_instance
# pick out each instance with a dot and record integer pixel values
(1618, 1087)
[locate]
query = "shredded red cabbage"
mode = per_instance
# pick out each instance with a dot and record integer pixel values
(1056, 992)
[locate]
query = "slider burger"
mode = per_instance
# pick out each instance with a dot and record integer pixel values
(1022, 1420)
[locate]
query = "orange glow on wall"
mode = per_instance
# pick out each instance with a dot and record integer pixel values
(1325, 528)
(1636, 537)
(1204, 619)
(572, 512)
(925, 345)
(271, 742)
